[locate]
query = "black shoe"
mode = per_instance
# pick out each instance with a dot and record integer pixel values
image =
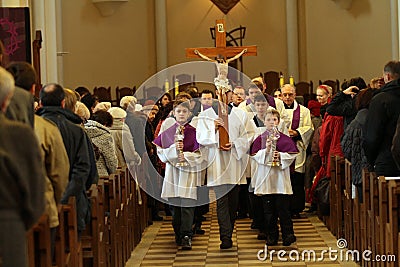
(186, 243)
(254, 225)
(296, 216)
(271, 240)
(226, 243)
(157, 218)
(199, 231)
(288, 240)
(311, 209)
(242, 216)
(262, 236)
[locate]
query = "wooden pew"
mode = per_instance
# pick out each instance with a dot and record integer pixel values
(374, 212)
(92, 238)
(62, 255)
(357, 222)
(102, 216)
(348, 205)
(333, 206)
(116, 206)
(119, 219)
(125, 209)
(131, 219)
(68, 251)
(382, 215)
(138, 207)
(144, 213)
(365, 208)
(336, 196)
(392, 226)
(112, 210)
(39, 243)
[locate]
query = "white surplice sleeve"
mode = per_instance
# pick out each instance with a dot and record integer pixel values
(306, 127)
(169, 154)
(196, 158)
(286, 159)
(206, 134)
(247, 129)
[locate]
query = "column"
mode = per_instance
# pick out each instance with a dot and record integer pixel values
(161, 34)
(394, 21)
(292, 38)
(44, 19)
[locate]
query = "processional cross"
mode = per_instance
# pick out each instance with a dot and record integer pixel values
(221, 81)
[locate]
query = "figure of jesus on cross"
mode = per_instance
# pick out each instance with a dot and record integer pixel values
(221, 82)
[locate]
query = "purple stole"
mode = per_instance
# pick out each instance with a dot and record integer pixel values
(206, 107)
(271, 101)
(167, 138)
(248, 101)
(284, 144)
(296, 118)
(295, 125)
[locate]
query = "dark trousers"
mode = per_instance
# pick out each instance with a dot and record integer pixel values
(183, 216)
(227, 201)
(257, 210)
(202, 206)
(277, 205)
(244, 201)
(298, 199)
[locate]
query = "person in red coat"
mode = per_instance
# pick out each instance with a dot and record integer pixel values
(329, 142)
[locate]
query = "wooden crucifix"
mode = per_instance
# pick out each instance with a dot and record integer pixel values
(224, 55)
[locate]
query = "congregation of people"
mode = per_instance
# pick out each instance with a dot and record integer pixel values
(57, 145)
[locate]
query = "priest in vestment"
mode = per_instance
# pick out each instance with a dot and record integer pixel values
(226, 165)
(300, 130)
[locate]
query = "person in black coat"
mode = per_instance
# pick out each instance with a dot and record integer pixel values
(351, 140)
(343, 103)
(381, 121)
(396, 144)
(75, 142)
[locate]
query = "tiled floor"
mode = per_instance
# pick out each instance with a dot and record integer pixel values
(158, 247)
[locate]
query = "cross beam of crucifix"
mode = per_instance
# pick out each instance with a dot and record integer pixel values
(221, 82)
(220, 48)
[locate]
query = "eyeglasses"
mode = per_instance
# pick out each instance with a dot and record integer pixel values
(287, 94)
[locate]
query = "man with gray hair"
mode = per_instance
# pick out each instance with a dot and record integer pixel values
(21, 183)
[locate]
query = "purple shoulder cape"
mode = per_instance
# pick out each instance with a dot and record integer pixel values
(167, 138)
(284, 144)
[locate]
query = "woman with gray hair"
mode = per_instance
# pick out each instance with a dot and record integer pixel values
(123, 139)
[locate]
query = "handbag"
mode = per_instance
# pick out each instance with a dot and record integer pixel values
(322, 195)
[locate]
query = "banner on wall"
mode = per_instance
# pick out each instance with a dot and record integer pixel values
(15, 34)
